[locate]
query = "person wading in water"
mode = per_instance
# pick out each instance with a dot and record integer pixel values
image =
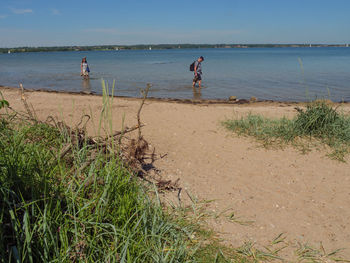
(84, 68)
(197, 72)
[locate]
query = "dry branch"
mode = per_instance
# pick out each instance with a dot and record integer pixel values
(134, 152)
(144, 93)
(26, 106)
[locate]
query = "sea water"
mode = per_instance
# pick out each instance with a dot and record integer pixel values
(284, 74)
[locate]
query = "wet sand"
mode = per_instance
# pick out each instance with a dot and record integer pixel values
(305, 196)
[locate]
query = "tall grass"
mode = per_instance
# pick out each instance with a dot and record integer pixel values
(319, 121)
(58, 209)
(52, 212)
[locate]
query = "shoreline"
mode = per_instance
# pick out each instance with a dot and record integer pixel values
(27, 49)
(182, 101)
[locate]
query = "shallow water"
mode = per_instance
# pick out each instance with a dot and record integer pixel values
(286, 74)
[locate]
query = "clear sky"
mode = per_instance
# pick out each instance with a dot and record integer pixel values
(95, 22)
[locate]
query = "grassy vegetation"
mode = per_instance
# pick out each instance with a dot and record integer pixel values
(52, 211)
(318, 122)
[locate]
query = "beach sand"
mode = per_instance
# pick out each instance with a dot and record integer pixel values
(305, 196)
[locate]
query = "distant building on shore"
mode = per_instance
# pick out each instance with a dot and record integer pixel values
(9, 52)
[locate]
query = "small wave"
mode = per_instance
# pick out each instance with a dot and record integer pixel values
(161, 62)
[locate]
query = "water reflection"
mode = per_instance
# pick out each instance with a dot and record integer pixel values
(86, 86)
(197, 95)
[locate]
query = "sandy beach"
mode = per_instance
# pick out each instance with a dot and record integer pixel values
(304, 196)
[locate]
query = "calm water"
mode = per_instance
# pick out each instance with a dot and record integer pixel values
(264, 73)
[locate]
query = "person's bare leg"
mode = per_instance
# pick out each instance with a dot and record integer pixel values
(193, 84)
(199, 83)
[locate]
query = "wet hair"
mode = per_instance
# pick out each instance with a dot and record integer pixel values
(82, 60)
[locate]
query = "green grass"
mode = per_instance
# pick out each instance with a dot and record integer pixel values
(307, 253)
(52, 212)
(319, 122)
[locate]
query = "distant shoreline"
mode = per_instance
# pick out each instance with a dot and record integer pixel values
(159, 47)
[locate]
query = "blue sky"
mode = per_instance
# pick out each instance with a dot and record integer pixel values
(76, 22)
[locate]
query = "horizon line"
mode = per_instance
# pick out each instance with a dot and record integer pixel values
(169, 44)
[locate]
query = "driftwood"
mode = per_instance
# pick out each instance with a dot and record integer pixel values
(134, 152)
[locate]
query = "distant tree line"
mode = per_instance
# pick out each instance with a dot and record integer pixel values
(160, 46)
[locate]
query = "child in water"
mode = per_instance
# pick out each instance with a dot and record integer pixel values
(84, 68)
